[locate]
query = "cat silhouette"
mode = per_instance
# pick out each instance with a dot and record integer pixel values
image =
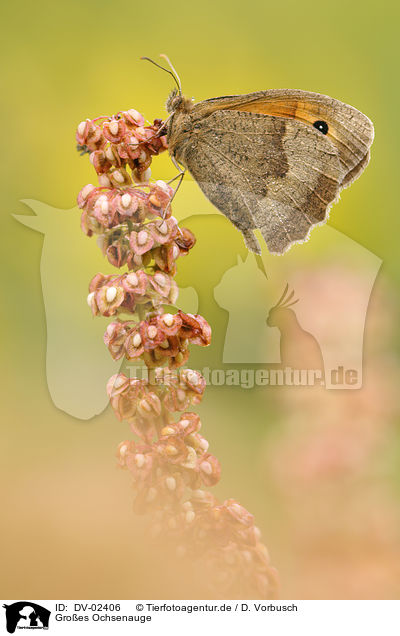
(243, 291)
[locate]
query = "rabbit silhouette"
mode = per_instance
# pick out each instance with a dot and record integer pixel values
(299, 348)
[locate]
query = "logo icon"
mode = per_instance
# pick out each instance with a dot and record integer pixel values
(26, 615)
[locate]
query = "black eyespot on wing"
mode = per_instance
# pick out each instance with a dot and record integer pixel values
(322, 126)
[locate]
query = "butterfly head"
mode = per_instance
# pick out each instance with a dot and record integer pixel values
(176, 101)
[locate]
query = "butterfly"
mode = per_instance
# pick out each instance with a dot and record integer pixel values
(274, 160)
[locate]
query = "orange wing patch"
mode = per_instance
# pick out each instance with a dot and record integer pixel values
(307, 112)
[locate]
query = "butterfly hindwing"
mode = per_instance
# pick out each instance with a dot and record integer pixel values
(264, 172)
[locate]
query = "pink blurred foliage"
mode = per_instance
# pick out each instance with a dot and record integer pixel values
(330, 463)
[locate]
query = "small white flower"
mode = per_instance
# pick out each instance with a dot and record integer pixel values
(142, 237)
(168, 320)
(137, 340)
(146, 175)
(170, 483)
(111, 294)
(140, 460)
(160, 279)
(152, 331)
(104, 181)
(126, 200)
(206, 468)
(162, 228)
(161, 184)
(204, 444)
(81, 128)
(87, 190)
(132, 278)
(109, 154)
(118, 177)
(114, 127)
(119, 381)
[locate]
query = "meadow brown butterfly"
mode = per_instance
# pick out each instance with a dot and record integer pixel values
(275, 160)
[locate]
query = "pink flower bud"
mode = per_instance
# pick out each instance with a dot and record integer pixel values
(84, 193)
(114, 130)
(141, 242)
(133, 117)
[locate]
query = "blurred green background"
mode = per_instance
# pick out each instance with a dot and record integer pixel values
(67, 527)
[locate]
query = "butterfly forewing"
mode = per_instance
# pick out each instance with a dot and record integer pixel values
(263, 161)
(351, 131)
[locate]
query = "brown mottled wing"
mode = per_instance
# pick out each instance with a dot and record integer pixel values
(350, 131)
(272, 173)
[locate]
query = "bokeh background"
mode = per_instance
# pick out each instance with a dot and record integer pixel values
(319, 469)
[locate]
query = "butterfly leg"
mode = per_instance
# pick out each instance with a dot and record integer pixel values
(160, 132)
(180, 177)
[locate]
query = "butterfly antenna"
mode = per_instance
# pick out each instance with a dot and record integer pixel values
(171, 72)
(175, 74)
